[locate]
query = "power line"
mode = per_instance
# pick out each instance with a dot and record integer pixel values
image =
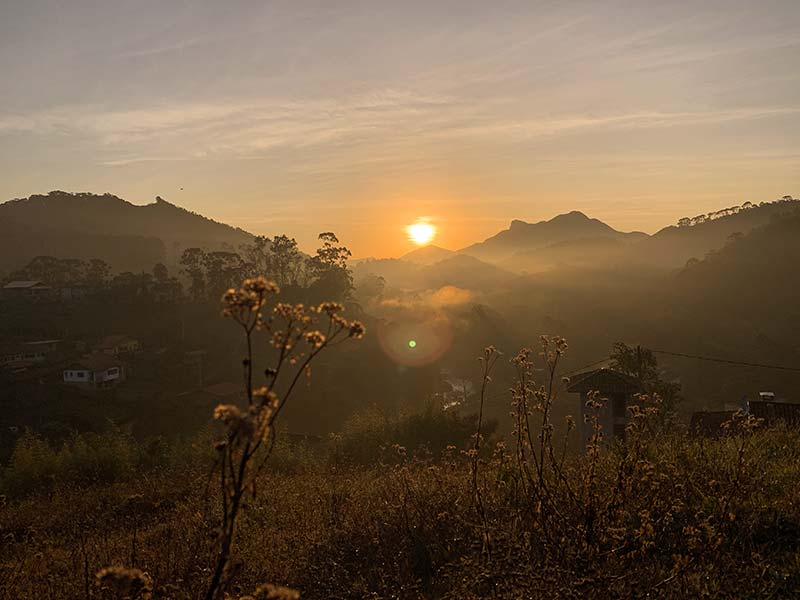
(500, 394)
(597, 362)
(727, 361)
(698, 357)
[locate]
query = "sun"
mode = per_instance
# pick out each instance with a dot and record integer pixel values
(421, 232)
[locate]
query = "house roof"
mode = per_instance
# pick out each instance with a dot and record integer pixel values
(94, 362)
(41, 342)
(111, 341)
(24, 285)
(19, 347)
(773, 410)
(603, 380)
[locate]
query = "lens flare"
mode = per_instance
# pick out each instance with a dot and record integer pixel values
(421, 232)
(414, 343)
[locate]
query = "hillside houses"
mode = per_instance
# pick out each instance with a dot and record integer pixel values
(73, 362)
(768, 409)
(94, 371)
(40, 290)
(116, 345)
(27, 289)
(19, 356)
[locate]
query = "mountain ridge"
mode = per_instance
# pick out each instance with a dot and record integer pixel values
(524, 236)
(85, 225)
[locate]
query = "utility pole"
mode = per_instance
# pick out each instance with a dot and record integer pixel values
(639, 367)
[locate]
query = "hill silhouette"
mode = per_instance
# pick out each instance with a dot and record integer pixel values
(674, 245)
(85, 225)
(523, 237)
(576, 240)
(750, 281)
(427, 255)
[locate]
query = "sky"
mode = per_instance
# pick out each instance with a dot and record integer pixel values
(360, 117)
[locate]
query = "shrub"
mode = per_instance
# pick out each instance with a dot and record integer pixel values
(37, 467)
(33, 467)
(371, 437)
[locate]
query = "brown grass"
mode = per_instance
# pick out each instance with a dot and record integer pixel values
(693, 523)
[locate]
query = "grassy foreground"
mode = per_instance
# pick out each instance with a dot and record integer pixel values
(665, 516)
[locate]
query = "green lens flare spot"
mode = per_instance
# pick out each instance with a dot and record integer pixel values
(412, 343)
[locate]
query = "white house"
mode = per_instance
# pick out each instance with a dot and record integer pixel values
(96, 370)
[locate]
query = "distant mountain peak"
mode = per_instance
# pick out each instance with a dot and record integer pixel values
(518, 224)
(524, 236)
(573, 215)
(427, 255)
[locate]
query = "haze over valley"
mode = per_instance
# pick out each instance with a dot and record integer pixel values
(446, 300)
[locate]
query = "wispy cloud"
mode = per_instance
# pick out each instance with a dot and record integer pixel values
(386, 120)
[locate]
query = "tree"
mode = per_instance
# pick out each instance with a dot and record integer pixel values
(52, 270)
(160, 272)
(256, 255)
(278, 259)
(192, 263)
(332, 277)
(130, 285)
(642, 364)
(636, 361)
(372, 286)
(223, 270)
(73, 270)
(43, 268)
(97, 272)
(285, 260)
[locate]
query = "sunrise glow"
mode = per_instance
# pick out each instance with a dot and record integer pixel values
(421, 233)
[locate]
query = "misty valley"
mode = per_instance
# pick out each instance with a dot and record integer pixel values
(230, 412)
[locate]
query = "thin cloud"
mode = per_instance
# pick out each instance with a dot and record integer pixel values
(390, 121)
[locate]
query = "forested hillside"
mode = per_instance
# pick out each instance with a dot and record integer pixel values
(84, 226)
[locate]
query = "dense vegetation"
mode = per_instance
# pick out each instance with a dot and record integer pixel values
(666, 515)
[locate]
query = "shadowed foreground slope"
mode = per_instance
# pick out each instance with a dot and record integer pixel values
(671, 517)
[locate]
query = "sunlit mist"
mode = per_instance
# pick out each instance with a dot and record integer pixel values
(421, 232)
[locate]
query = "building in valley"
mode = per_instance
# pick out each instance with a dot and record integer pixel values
(616, 389)
(27, 289)
(116, 345)
(95, 371)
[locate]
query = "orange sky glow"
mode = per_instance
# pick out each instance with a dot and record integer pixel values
(359, 118)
